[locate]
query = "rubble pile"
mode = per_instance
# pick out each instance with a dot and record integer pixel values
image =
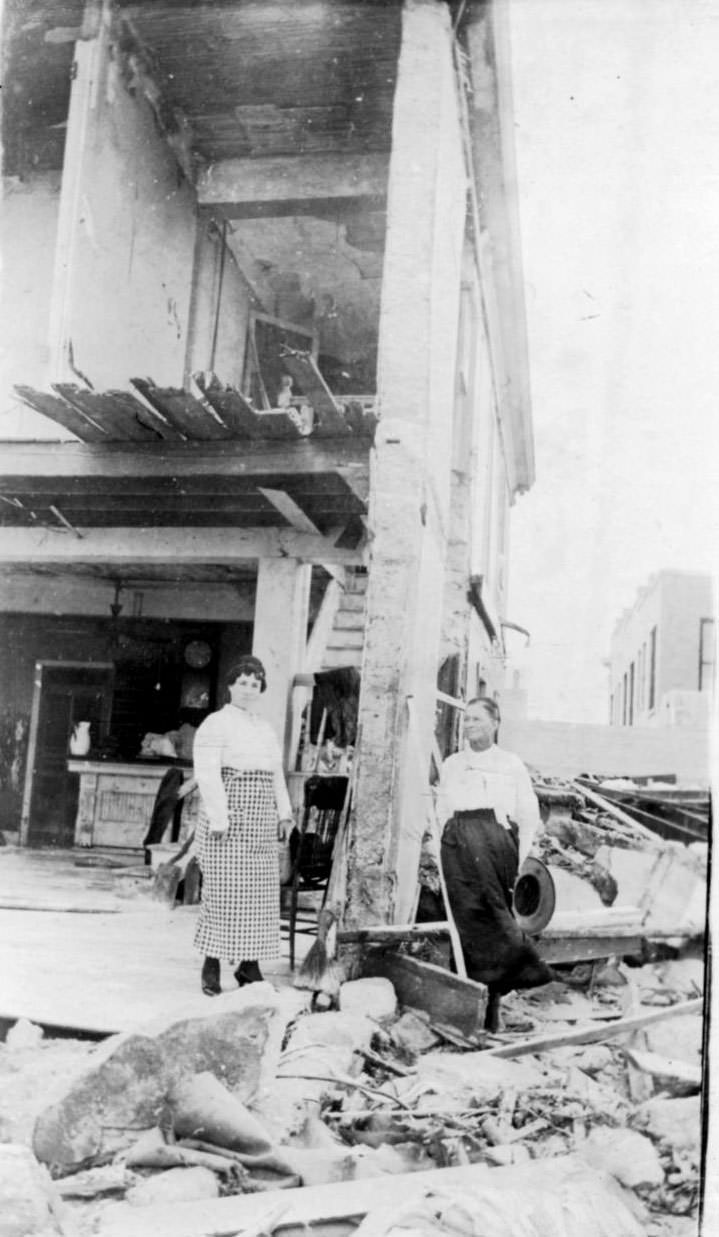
(269, 1096)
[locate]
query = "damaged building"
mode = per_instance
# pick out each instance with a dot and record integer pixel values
(267, 368)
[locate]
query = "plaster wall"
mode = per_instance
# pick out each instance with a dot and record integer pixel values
(558, 749)
(28, 232)
(126, 243)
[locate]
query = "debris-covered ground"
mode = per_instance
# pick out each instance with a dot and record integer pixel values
(262, 1094)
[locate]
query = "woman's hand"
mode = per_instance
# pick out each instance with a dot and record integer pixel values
(284, 828)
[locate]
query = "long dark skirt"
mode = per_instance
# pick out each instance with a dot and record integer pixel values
(480, 860)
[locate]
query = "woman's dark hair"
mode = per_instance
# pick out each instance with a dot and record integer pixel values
(489, 704)
(246, 665)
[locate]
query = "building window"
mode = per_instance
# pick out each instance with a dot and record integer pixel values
(707, 654)
(652, 667)
(631, 694)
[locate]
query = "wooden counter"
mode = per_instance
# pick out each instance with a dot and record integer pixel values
(116, 801)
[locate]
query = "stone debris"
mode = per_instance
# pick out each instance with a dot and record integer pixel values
(373, 996)
(23, 1034)
(345, 1097)
(29, 1205)
(177, 1185)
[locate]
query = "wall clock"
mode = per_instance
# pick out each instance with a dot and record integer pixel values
(198, 654)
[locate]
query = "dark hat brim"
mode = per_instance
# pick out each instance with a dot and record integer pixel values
(534, 897)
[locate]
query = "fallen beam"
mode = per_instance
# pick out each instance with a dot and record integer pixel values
(594, 1034)
(391, 932)
(589, 946)
(458, 1004)
(323, 1209)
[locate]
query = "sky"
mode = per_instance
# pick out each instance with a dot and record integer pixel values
(617, 141)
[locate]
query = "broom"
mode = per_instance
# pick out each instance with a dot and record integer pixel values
(319, 972)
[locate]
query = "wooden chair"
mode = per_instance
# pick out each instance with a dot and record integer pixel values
(311, 847)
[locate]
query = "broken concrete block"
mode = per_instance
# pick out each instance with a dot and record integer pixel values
(336, 1027)
(412, 1032)
(679, 1038)
(630, 1157)
(128, 1089)
(29, 1206)
(668, 1074)
(177, 1185)
(374, 996)
(23, 1034)
(676, 1122)
(593, 1058)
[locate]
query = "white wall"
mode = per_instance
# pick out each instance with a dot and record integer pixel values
(28, 231)
(563, 749)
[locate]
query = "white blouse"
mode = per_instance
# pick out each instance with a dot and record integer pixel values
(490, 779)
(236, 738)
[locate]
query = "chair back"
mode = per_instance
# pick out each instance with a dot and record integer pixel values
(324, 799)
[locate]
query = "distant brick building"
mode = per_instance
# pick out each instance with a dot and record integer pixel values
(663, 653)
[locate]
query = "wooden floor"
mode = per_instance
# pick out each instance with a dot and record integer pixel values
(89, 948)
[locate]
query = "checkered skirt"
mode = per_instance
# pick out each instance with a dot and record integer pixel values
(240, 911)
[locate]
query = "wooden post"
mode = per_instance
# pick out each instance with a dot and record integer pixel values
(411, 468)
(280, 634)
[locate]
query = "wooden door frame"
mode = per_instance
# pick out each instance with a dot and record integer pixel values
(40, 668)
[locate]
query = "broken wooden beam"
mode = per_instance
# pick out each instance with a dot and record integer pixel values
(391, 933)
(452, 1002)
(592, 1034)
(588, 946)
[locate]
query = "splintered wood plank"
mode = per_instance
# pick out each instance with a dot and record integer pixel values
(182, 411)
(116, 412)
(303, 368)
(596, 1035)
(458, 1004)
(231, 407)
(62, 413)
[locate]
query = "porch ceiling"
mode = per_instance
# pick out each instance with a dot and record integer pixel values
(74, 486)
(268, 77)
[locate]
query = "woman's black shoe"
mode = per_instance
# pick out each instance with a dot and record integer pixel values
(210, 977)
(248, 973)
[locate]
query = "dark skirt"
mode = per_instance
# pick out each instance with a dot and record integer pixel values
(480, 859)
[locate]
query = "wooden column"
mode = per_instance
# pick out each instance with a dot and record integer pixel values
(411, 469)
(280, 634)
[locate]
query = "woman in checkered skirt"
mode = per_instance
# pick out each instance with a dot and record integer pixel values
(245, 811)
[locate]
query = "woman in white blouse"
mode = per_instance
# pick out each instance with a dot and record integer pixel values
(245, 811)
(490, 815)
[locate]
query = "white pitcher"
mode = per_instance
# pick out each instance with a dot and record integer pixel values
(80, 739)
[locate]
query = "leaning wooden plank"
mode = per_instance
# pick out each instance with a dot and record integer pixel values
(303, 368)
(594, 1034)
(612, 810)
(117, 416)
(62, 413)
(182, 410)
(459, 1004)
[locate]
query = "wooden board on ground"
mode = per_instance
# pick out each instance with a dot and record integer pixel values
(460, 1005)
(586, 946)
(595, 1035)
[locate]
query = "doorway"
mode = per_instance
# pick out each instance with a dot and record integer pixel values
(64, 693)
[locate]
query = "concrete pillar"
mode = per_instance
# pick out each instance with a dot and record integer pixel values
(409, 505)
(280, 633)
